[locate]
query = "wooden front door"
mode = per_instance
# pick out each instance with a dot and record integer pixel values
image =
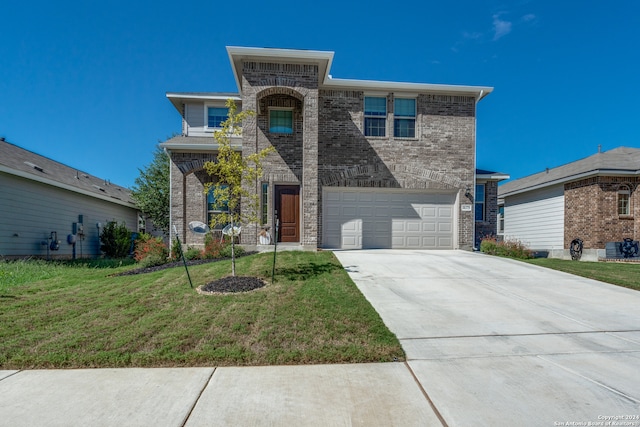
(288, 212)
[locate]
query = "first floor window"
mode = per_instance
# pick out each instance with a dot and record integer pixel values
(214, 204)
(479, 202)
(280, 121)
(404, 122)
(375, 116)
(216, 115)
(623, 201)
(501, 220)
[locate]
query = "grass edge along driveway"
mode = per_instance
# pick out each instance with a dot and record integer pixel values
(616, 273)
(54, 315)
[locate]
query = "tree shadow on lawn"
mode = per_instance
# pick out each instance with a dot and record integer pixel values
(307, 271)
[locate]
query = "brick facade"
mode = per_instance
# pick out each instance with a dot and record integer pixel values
(591, 211)
(328, 148)
(489, 226)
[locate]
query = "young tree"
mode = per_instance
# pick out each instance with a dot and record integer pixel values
(234, 175)
(151, 190)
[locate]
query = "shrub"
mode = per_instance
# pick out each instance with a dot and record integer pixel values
(212, 247)
(115, 240)
(506, 248)
(150, 250)
(226, 250)
(193, 253)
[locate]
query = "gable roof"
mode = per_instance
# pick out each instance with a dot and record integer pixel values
(17, 161)
(617, 162)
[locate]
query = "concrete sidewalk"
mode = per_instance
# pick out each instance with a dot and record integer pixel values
(384, 394)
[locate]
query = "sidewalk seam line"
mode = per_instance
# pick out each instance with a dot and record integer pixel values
(206, 384)
(426, 396)
(10, 375)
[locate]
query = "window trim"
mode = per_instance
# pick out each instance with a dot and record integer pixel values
(414, 117)
(290, 109)
(373, 116)
(206, 115)
(264, 199)
(624, 190)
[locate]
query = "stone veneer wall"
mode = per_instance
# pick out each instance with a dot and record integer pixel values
(591, 211)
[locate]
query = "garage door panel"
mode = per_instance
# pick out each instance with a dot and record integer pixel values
(387, 218)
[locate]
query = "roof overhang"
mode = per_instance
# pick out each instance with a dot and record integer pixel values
(239, 54)
(576, 177)
(178, 147)
(493, 176)
(478, 92)
(47, 181)
(178, 99)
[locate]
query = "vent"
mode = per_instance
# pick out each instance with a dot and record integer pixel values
(99, 188)
(33, 165)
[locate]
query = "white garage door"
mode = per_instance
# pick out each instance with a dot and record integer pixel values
(356, 218)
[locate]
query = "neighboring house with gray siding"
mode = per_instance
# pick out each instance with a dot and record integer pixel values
(40, 197)
(593, 199)
(357, 164)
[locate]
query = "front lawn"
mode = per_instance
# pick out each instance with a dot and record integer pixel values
(55, 315)
(616, 273)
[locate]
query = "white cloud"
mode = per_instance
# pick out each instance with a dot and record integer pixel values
(528, 17)
(500, 28)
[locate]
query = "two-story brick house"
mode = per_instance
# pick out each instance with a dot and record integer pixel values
(357, 164)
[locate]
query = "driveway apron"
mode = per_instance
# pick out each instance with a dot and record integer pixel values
(500, 342)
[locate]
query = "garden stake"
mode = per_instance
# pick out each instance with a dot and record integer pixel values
(275, 249)
(175, 231)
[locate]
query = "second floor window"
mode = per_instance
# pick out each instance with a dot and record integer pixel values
(404, 122)
(479, 202)
(216, 115)
(280, 121)
(375, 116)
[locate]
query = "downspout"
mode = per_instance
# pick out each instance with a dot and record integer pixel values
(170, 198)
(475, 157)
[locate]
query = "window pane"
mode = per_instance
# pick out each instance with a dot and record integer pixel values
(479, 202)
(216, 115)
(374, 126)
(623, 204)
(405, 107)
(281, 121)
(213, 204)
(479, 211)
(404, 128)
(374, 106)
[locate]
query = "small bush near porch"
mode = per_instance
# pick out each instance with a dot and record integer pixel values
(76, 315)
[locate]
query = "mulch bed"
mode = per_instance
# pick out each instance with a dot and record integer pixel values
(224, 285)
(232, 285)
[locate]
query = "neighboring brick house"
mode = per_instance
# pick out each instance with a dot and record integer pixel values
(357, 164)
(593, 199)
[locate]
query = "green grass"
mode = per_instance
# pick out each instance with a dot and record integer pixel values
(621, 274)
(73, 315)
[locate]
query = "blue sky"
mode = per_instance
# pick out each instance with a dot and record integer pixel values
(84, 82)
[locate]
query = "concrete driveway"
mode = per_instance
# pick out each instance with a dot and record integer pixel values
(498, 342)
